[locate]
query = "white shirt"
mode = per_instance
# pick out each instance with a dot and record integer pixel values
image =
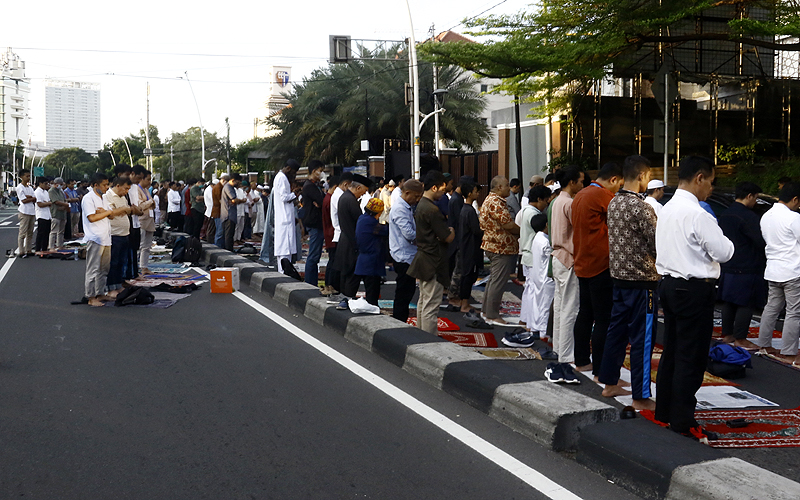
(22, 193)
(133, 196)
(173, 201)
(44, 197)
(655, 204)
(100, 231)
(208, 198)
(689, 243)
(396, 194)
(337, 231)
(526, 232)
(781, 230)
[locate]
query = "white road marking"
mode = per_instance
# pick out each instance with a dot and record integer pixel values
(532, 477)
(6, 267)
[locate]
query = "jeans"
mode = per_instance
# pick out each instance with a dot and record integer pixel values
(219, 238)
(315, 241)
(120, 248)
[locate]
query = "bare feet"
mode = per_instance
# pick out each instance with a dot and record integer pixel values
(584, 368)
(644, 404)
(113, 293)
(105, 298)
(729, 339)
(95, 302)
(771, 350)
(611, 391)
(746, 344)
(623, 383)
(786, 359)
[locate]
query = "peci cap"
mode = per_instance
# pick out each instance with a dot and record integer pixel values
(374, 205)
(655, 184)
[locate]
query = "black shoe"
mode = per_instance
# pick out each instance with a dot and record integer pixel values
(519, 339)
(569, 374)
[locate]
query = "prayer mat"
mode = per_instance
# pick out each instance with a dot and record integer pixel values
(471, 339)
(776, 359)
(765, 429)
(521, 353)
(751, 334)
(445, 325)
(389, 303)
(163, 300)
(708, 379)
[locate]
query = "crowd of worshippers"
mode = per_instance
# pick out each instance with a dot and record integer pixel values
(597, 257)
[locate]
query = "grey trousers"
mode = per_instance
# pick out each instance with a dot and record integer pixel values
(430, 298)
(25, 240)
(98, 262)
(144, 248)
(787, 293)
(502, 267)
(57, 227)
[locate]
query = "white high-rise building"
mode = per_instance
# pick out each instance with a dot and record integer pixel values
(280, 78)
(14, 105)
(72, 115)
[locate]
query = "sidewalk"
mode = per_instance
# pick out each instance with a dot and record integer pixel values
(577, 420)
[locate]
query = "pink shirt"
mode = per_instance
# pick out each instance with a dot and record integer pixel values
(561, 230)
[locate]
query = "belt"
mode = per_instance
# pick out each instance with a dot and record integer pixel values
(705, 280)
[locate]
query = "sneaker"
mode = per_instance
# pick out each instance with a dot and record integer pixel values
(554, 373)
(521, 339)
(342, 306)
(335, 298)
(569, 374)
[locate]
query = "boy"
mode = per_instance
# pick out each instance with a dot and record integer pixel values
(42, 214)
(97, 232)
(543, 286)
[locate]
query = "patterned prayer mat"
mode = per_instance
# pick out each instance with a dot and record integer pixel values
(445, 325)
(471, 339)
(765, 429)
(505, 353)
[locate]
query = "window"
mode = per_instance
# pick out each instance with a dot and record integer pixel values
(484, 87)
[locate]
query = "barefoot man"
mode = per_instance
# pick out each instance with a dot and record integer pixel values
(632, 261)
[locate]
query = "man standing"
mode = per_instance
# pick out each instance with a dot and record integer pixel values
(284, 197)
(228, 209)
(43, 217)
(327, 231)
(589, 219)
(780, 227)
(632, 261)
(512, 199)
(500, 243)
(74, 201)
(208, 201)
(335, 276)
(741, 283)
(312, 202)
(26, 213)
(198, 207)
(655, 191)
(216, 210)
(403, 245)
(174, 217)
(455, 205)
(536, 180)
(347, 247)
(565, 299)
(689, 249)
(430, 262)
(59, 213)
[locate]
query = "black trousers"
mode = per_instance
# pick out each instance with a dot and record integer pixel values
(229, 228)
(42, 235)
(688, 323)
(372, 285)
(596, 302)
(736, 320)
(196, 224)
(331, 274)
(175, 220)
(404, 291)
(132, 262)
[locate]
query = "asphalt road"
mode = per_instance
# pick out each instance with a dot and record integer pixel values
(227, 397)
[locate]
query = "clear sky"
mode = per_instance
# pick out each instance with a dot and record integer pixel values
(226, 47)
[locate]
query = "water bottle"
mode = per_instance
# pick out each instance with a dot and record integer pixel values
(75, 254)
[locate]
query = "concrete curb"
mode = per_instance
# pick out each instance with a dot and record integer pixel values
(650, 461)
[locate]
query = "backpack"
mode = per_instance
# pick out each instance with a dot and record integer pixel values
(728, 362)
(179, 249)
(193, 251)
(134, 295)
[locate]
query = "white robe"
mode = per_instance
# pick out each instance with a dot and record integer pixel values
(258, 219)
(543, 287)
(285, 232)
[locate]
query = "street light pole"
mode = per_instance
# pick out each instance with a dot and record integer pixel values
(202, 134)
(415, 72)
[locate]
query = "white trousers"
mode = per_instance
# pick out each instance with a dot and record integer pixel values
(565, 311)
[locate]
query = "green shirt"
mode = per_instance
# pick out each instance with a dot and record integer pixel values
(194, 192)
(57, 212)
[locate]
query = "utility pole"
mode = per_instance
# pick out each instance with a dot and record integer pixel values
(148, 158)
(228, 144)
(436, 103)
(171, 166)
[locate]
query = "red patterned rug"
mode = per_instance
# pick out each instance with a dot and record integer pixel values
(471, 339)
(445, 325)
(766, 428)
(751, 334)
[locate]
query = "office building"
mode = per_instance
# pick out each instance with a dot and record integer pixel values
(72, 115)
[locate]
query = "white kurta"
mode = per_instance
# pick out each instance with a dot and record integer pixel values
(285, 233)
(258, 220)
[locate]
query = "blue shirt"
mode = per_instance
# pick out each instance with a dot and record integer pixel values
(74, 207)
(402, 232)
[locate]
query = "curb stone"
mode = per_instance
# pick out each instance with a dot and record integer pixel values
(671, 467)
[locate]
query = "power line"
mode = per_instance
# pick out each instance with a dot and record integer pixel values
(190, 54)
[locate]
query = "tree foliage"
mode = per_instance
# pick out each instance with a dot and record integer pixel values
(338, 106)
(73, 163)
(557, 50)
(187, 154)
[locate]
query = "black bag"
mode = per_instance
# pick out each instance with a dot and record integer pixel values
(134, 295)
(193, 251)
(179, 249)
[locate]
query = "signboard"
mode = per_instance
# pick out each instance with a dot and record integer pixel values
(38, 171)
